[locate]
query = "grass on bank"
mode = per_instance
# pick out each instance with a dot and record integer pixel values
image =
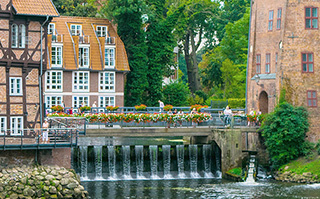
(303, 165)
(235, 171)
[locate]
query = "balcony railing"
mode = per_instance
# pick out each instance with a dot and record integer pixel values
(57, 38)
(110, 41)
(84, 39)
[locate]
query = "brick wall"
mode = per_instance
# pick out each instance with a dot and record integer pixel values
(288, 69)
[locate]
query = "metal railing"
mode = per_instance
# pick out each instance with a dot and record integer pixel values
(110, 40)
(84, 39)
(34, 138)
(57, 38)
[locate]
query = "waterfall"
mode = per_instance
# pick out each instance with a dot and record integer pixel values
(153, 149)
(180, 160)
(112, 163)
(193, 158)
(126, 162)
(139, 161)
(84, 162)
(166, 161)
(98, 162)
(251, 169)
(218, 165)
(206, 152)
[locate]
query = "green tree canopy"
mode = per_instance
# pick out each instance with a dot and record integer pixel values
(284, 131)
(82, 8)
(176, 94)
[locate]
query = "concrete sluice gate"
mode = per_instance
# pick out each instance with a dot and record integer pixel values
(147, 162)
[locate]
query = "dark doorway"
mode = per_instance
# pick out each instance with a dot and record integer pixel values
(263, 102)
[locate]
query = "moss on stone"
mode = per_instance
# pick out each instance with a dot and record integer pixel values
(303, 165)
(235, 171)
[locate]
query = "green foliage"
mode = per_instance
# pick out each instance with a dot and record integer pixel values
(127, 15)
(318, 147)
(176, 93)
(284, 131)
(303, 165)
(224, 67)
(82, 8)
(237, 102)
(282, 98)
(236, 171)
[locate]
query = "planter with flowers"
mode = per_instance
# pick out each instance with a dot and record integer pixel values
(112, 108)
(57, 108)
(141, 107)
(168, 107)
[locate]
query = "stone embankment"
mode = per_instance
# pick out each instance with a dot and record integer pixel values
(40, 182)
(289, 176)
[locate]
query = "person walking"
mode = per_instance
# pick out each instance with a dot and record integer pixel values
(45, 136)
(161, 104)
(227, 113)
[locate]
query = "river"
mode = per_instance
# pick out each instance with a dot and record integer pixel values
(199, 188)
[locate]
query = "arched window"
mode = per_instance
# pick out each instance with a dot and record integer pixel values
(22, 36)
(14, 36)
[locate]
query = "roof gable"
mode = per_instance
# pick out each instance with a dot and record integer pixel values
(35, 7)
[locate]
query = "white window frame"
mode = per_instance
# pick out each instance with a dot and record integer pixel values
(14, 35)
(103, 101)
(79, 82)
(15, 127)
(77, 100)
(102, 31)
(57, 99)
(22, 36)
(3, 125)
(51, 29)
(53, 86)
(84, 57)
(109, 58)
(14, 90)
(105, 81)
(76, 29)
(56, 64)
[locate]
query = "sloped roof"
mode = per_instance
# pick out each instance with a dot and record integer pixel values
(35, 7)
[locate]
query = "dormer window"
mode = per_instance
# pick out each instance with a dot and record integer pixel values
(83, 57)
(51, 29)
(76, 30)
(109, 57)
(101, 31)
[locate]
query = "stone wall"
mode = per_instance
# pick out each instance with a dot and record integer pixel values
(40, 182)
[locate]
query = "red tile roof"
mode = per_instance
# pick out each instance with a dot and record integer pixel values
(35, 7)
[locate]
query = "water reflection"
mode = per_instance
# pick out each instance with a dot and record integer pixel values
(201, 188)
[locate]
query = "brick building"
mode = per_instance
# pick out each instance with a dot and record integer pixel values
(20, 60)
(87, 63)
(284, 41)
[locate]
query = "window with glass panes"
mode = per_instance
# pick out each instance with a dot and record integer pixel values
(14, 35)
(279, 14)
(311, 17)
(307, 62)
(80, 81)
(107, 81)
(76, 30)
(54, 80)
(53, 101)
(3, 125)
(268, 63)
(312, 98)
(56, 56)
(258, 64)
(270, 22)
(22, 36)
(15, 86)
(101, 31)
(51, 29)
(109, 57)
(16, 125)
(78, 100)
(84, 57)
(106, 101)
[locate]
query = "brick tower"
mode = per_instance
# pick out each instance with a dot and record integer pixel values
(284, 41)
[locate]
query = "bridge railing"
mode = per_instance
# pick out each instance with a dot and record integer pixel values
(35, 138)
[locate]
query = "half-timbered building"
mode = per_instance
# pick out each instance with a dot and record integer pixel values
(23, 51)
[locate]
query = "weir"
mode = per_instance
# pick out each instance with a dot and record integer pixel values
(147, 162)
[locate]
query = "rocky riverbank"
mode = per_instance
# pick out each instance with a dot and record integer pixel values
(40, 182)
(290, 176)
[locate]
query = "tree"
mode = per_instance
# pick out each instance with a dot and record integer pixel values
(189, 31)
(284, 131)
(83, 8)
(160, 44)
(230, 57)
(176, 94)
(127, 15)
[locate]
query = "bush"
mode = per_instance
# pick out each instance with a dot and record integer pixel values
(222, 103)
(237, 102)
(176, 93)
(284, 131)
